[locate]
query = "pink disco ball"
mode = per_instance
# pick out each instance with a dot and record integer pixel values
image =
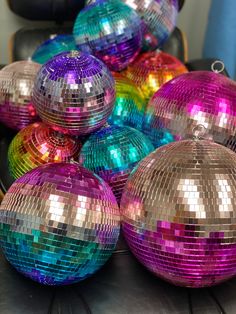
(16, 87)
(159, 19)
(74, 93)
(190, 99)
(179, 213)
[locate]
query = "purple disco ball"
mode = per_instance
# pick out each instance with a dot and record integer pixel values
(59, 224)
(74, 93)
(190, 99)
(179, 213)
(16, 88)
(111, 31)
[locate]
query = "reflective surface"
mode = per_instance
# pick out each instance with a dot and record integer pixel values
(111, 31)
(113, 152)
(194, 98)
(38, 144)
(59, 224)
(16, 87)
(179, 213)
(152, 69)
(130, 106)
(52, 47)
(159, 20)
(74, 93)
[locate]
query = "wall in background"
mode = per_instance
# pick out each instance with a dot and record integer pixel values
(192, 21)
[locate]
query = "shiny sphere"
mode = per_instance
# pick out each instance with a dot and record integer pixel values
(194, 98)
(59, 223)
(159, 20)
(179, 213)
(74, 93)
(52, 47)
(113, 152)
(16, 87)
(38, 144)
(111, 31)
(152, 69)
(130, 106)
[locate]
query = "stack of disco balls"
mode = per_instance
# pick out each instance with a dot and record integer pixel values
(90, 110)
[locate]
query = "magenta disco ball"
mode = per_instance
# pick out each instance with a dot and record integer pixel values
(111, 31)
(16, 88)
(179, 213)
(190, 99)
(74, 93)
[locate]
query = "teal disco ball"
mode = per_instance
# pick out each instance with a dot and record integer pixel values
(52, 47)
(113, 152)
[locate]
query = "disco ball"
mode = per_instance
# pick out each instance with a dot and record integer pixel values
(59, 223)
(111, 31)
(159, 20)
(130, 106)
(179, 213)
(74, 93)
(113, 152)
(194, 98)
(152, 69)
(16, 86)
(52, 47)
(38, 144)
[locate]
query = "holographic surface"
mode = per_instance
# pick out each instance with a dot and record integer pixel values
(130, 106)
(159, 20)
(59, 223)
(152, 69)
(113, 152)
(38, 144)
(74, 93)
(16, 87)
(52, 47)
(179, 213)
(194, 98)
(111, 31)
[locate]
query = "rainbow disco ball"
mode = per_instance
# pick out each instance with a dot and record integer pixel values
(111, 31)
(113, 152)
(74, 93)
(59, 223)
(38, 144)
(130, 106)
(152, 69)
(52, 47)
(194, 98)
(159, 20)
(16, 87)
(179, 213)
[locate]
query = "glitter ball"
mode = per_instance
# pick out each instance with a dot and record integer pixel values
(113, 152)
(193, 98)
(179, 213)
(130, 106)
(152, 69)
(59, 223)
(52, 47)
(16, 86)
(74, 93)
(111, 31)
(38, 144)
(159, 20)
